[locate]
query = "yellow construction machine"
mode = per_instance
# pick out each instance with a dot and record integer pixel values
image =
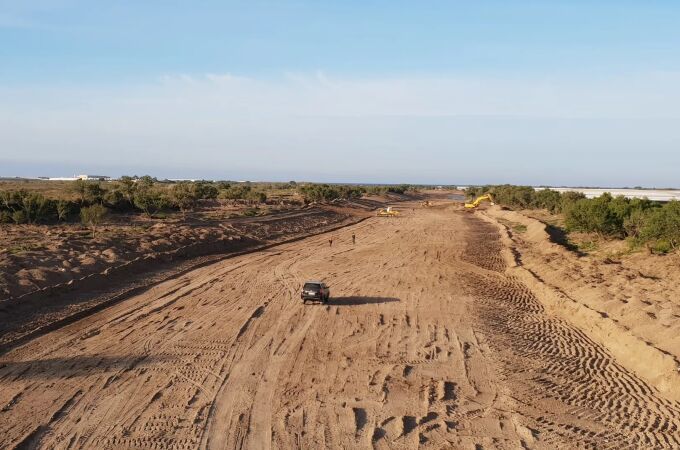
(388, 212)
(479, 200)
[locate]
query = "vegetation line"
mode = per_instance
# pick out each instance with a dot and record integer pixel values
(642, 222)
(92, 201)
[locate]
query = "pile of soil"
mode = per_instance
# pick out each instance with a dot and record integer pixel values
(629, 304)
(51, 274)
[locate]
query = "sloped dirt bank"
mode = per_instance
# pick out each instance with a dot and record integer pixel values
(630, 307)
(51, 305)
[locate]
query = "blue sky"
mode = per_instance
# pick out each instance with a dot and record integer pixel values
(536, 92)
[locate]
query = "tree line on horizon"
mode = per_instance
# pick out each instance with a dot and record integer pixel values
(641, 221)
(92, 200)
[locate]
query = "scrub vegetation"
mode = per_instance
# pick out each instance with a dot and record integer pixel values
(641, 221)
(45, 202)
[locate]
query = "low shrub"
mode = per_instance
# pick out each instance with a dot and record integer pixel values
(661, 247)
(93, 216)
(19, 217)
(64, 209)
(547, 199)
(643, 221)
(206, 190)
(150, 200)
(6, 217)
(662, 226)
(27, 207)
(327, 192)
(184, 196)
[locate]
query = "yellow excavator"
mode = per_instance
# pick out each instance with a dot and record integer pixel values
(479, 200)
(388, 212)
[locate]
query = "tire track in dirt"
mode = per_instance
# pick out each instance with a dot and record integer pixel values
(426, 343)
(262, 365)
(570, 386)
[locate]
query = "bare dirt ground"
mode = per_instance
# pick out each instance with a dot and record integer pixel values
(627, 302)
(125, 258)
(427, 342)
(35, 257)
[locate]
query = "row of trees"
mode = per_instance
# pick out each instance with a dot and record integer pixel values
(243, 191)
(128, 194)
(145, 194)
(31, 207)
(643, 221)
(390, 189)
(526, 197)
(149, 196)
(640, 220)
(327, 192)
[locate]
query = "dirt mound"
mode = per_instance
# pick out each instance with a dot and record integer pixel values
(630, 305)
(68, 272)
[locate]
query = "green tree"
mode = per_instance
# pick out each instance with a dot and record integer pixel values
(401, 189)
(36, 208)
(256, 196)
(206, 190)
(319, 192)
(145, 198)
(7, 199)
(115, 198)
(127, 188)
(6, 217)
(79, 187)
(93, 216)
(513, 196)
(93, 193)
(64, 209)
(569, 199)
(19, 217)
(184, 196)
(147, 180)
(663, 224)
(160, 200)
(601, 215)
(237, 192)
(634, 223)
(548, 199)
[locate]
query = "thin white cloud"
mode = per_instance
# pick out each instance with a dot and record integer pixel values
(649, 95)
(12, 21)
(404, 126)
(31, 14)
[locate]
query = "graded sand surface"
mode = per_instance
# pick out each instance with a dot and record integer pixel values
(427, 342)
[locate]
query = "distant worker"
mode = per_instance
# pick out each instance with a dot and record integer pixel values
(354, 239)
(330, 242)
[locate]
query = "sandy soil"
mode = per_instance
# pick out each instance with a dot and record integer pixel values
(33, 257)
(133, 261)
(630, 304)
(428, 341)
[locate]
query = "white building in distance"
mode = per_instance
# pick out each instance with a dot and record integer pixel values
(82, 177)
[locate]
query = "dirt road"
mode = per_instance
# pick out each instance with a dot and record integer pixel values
(426, 342)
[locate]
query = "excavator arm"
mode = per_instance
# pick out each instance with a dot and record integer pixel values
(479, 200)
